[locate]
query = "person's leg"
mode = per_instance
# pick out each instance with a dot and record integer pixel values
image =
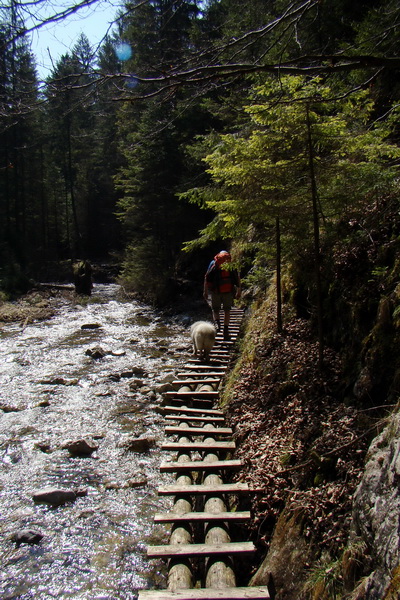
(227, 315)
(216, 320)
(216, 307)
(227, 305)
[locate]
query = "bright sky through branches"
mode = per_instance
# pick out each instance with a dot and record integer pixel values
(50, 42)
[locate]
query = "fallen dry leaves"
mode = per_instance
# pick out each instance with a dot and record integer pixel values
(297, 438)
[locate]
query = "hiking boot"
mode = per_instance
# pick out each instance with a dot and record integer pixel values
(227, 337)
(217, 325)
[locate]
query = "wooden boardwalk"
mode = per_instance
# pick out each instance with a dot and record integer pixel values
(201, 545)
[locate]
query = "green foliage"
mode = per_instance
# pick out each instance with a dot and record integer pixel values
(145, 272)
(262, 172)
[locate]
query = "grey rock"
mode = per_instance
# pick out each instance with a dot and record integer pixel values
(376, 508)
(139, 482)
(96, 353)
(139, 372)
(164, 387)
(142, 444)
(82, 447)
(119, 352)
(27, 536)
(54, 496)
(90, 326)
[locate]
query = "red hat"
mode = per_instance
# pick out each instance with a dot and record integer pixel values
(222, 257)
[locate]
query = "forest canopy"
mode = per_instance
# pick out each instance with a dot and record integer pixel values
(199, 130)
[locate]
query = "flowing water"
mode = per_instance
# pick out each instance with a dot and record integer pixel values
(52, 392)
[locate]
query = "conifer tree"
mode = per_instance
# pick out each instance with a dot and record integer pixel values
(306, 157)
(19, 154)
(71, 120)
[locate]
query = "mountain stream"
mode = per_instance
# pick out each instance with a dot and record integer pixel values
(52, 391)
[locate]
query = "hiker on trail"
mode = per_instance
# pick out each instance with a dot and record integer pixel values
(223, 283)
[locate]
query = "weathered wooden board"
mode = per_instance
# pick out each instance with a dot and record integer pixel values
(172, 429)
(200, 465)
(191, 394)
(204, 381)
(191, 490)
(202, 517)
(192, 411)
(240, 593)
(211, 363)
(198, 446)
(200, 549)
(192, 418)
(201, 368)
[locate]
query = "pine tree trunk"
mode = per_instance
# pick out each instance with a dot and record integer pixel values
(278, 276)
(317, 252)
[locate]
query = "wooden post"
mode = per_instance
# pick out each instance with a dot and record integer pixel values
(219, 571)
(180, 573)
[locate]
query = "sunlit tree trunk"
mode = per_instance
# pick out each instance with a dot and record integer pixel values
(278, 275)
(317, 250)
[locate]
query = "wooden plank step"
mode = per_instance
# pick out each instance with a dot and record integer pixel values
(191, 418)
(197, 362)
(192, 411)
(191, 490)
(200, 465)
(233, 332)
(239, 593)
(205, 381)
(200, 374)
(204, 368)
(186, 550)
(194, 402)
(176, 429)
(202, 517)
(199, 446)
(207, 395)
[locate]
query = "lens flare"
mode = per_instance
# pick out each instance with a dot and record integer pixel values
(131, 82)
(123, 51)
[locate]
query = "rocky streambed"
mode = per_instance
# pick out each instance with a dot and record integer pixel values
(80, 443)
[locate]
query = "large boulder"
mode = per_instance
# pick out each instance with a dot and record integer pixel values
(287, 560)
(376, 511)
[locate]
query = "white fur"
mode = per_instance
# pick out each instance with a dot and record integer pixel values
(203, 338)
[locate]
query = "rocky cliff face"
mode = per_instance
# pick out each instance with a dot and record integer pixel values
(376, 515)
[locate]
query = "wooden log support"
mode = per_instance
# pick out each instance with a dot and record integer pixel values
(180, 574)
(203, 533)
(219, 570)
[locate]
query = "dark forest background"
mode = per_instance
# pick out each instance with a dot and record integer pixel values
(105, 160)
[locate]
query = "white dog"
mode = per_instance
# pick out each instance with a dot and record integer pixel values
(203, 338)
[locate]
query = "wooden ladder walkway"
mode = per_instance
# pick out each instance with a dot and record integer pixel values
(200, 544)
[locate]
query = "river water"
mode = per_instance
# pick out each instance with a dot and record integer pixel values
(52, 392)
